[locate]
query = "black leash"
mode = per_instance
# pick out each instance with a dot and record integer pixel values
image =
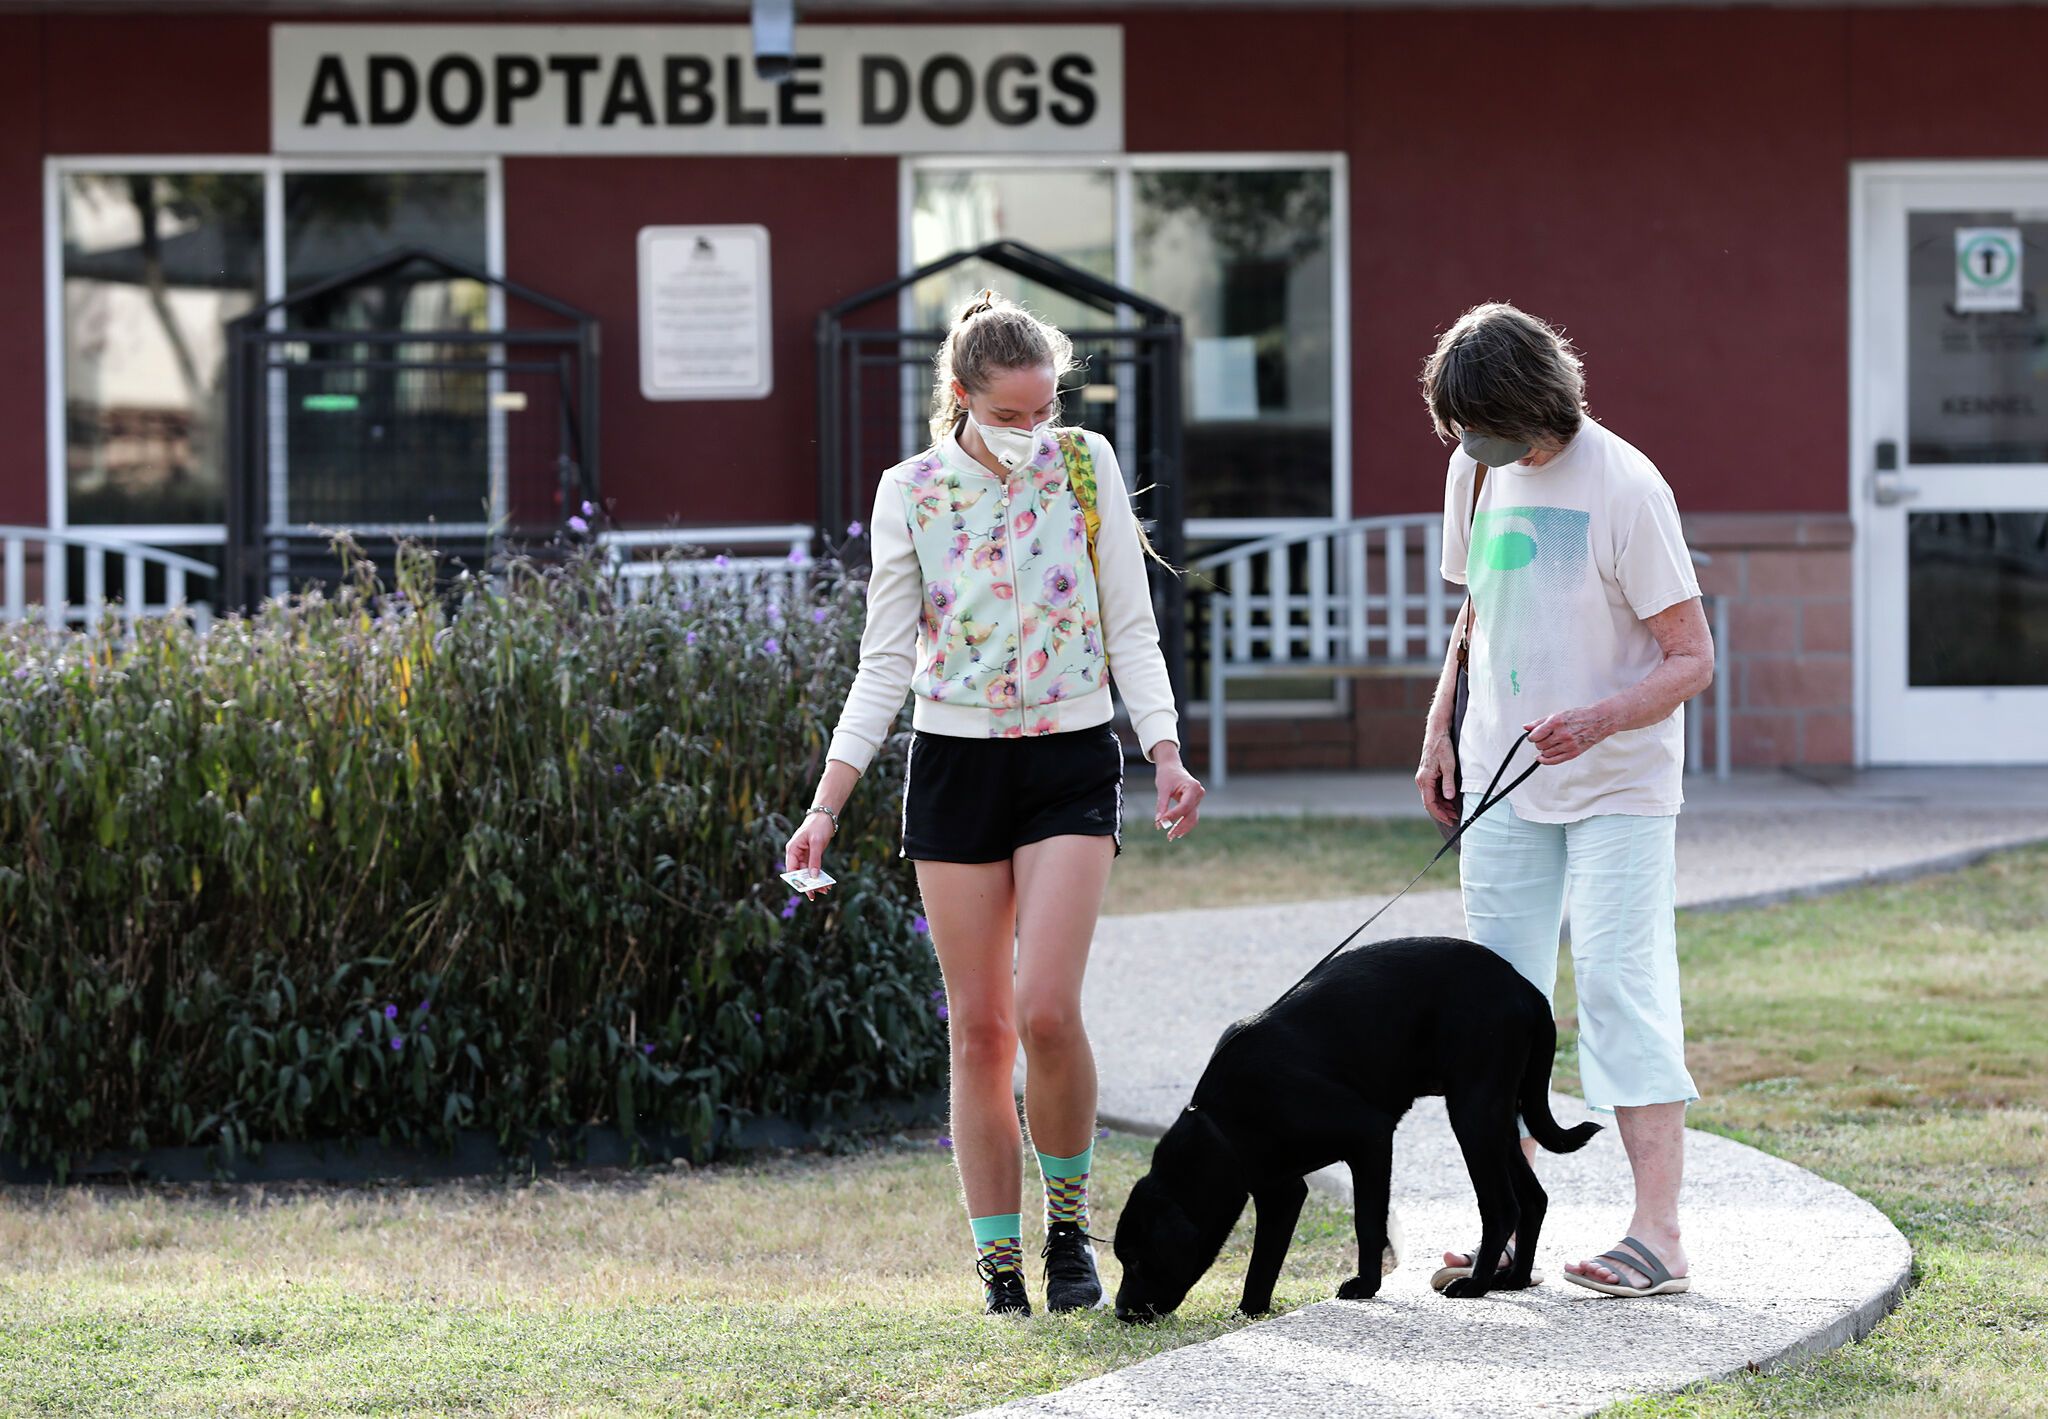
(1488, 800)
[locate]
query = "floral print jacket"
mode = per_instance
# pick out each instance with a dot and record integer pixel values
(985, 603)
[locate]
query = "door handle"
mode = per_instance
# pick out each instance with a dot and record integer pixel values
(1885, 487)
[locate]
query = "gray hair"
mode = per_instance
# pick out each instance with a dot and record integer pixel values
(992, 333)
(1503, 372)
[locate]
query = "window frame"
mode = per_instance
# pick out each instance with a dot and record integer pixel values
(273, 169)
(1122, 167)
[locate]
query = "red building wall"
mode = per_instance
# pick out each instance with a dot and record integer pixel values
(1671, 186)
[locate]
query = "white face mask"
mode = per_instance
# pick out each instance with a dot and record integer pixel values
(1012, 448)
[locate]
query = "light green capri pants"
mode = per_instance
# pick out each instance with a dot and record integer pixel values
(1622, 870)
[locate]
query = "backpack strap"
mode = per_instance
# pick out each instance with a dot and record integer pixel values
(1080, 466)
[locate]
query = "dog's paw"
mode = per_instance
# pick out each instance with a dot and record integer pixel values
(1359, 1288)
(1466, 1287)
(1255, 1308)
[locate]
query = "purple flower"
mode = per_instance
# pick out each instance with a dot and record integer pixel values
(939, 994)
(618, 768)
(796, 556)
(941, 596)
(589, 511)
(689, 637)
(391, 1012)
(425, 1005)
(772, 646)
(774, 615)
(757, 1017)
(577, 524)
(398, 1041)
(721, 561)
(944, 1014)
(1059, 584)
(789, 908)
(920, 925)
(649, 1049)
(944, 1141)
(818, 616)
(1102, 1133)
(853, 529)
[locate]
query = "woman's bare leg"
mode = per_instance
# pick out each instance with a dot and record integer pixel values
(1060, 882)
(972, 911)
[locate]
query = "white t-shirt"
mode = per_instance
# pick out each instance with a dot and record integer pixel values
(1572, 558)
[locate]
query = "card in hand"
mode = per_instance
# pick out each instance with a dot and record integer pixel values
(808, 879)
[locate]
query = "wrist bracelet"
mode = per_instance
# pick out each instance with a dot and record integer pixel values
(821, 808)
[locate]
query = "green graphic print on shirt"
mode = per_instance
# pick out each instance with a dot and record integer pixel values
(1526, 565)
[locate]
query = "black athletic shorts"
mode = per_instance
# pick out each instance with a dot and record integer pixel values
(979, 800)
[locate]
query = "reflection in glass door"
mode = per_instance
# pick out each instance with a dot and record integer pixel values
(1951, 494)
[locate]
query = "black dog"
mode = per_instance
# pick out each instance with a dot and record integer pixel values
(1323, 1075)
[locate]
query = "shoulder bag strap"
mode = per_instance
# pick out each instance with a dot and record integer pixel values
(1080, 465)
(1471, 523)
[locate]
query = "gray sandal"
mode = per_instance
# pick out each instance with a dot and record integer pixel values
(1638, 1258)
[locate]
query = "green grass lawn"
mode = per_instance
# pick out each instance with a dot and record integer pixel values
(1895, 1040)
(1892, 1038)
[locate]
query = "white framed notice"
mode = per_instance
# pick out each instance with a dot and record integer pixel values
(704, 313)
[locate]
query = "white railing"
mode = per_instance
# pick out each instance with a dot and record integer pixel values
(102, 552)
(640, 558)
(1350, 600)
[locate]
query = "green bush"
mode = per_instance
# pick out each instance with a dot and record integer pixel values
(398, 865)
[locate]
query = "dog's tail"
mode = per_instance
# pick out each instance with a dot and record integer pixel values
(1535, 1100)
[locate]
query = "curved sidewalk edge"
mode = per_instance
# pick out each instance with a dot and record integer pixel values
(1557, 1349)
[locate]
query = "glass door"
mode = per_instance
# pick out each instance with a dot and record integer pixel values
(1951, 463)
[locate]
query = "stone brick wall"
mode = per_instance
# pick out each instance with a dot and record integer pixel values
(1788, 582)
(1787, 578)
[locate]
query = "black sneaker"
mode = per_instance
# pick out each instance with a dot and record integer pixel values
(1071, 1283)
(1002, 1290)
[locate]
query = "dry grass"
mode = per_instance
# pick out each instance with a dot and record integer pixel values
(800, 1285)
(1229, 862)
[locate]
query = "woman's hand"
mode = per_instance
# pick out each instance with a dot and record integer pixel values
(1438, 778)
(806, 849)
(1180, 795)
(1568, 734)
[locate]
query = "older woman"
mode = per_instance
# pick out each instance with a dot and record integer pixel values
(1586, 630)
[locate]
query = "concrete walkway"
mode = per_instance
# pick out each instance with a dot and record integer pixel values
(1784, 1263)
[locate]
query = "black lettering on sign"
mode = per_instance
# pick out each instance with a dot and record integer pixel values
(455, 115)
(384, 108)
(627, 94)
(686, 83)
(793, 88)
(1994, 406)
(946, 115)
(573, 68)
(518, 77)
(876, 72)
(330, 94)
(737, 114)
(1069, 75)
(1025, 107)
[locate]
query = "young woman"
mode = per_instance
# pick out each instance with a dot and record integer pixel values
(1004, 607)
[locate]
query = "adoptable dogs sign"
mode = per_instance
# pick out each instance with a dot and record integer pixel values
(691, 89)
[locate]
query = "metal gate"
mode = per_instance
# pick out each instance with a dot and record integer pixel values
(464, 440)
(874, 387)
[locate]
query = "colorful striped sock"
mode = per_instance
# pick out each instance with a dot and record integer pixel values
(1066, 1187)
(999, 1240)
